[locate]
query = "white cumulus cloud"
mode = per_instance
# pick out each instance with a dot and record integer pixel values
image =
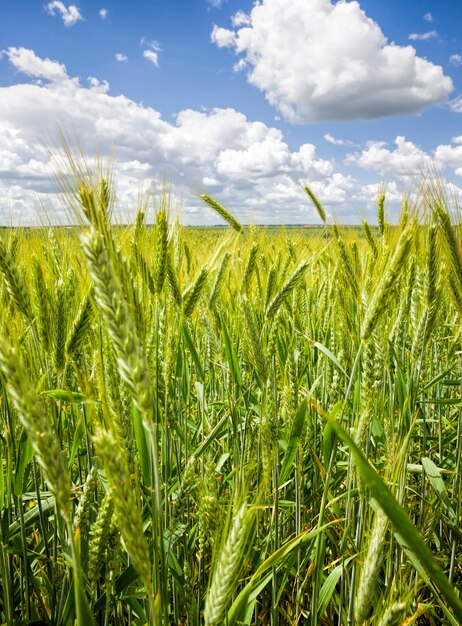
(404, 161)
(120, 57)
(448, 155)
(247, 164)
(27, 62)
(319, 60)
(103, 13)
(407, 160)
(240, 19)
(97, 85)
(70, 15)
(222, 37)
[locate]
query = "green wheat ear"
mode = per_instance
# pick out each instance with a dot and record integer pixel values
(388, 281)
(228, 567)
(126, 507)
(141, 406)
(14, 282)
(161, 249)
(286, 289)
(316, 203)
(222, 212)
(381, 213)
(371, 567)
(131, 359)
(36, 422)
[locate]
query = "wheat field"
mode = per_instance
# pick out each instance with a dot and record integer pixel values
(231, 426)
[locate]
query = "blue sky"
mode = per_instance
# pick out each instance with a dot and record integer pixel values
(241, 99)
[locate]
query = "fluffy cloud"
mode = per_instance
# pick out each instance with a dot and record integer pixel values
(27, 62)
(97, 85)
(222, 37)
(320, 60)
(450, 155)
(103, 13)
(70, 15)
(120, 57)
(405, 161)
(240, 19)
(404, 165)
(428, 17)
(269, 157)
(247, 164)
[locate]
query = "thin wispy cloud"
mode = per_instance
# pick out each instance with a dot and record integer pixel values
(455, 60)
(152, 49)
(103, 13)
(431, 34)
(240, 65)
(151, 43)
(339, 142)
(70, 15)
(428, 17)
(152, 56)
(455, 105)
